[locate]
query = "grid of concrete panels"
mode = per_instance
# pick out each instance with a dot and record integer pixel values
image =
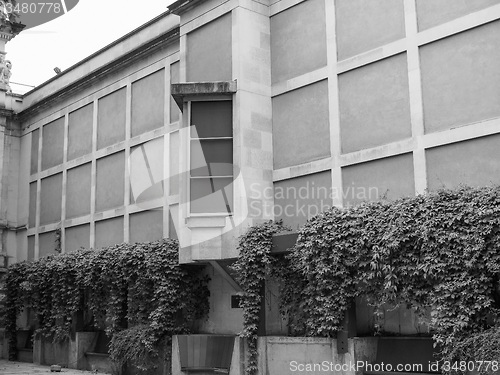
(144, 226)
(412, 98)
(91, 167)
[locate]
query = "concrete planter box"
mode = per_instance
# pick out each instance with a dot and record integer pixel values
(286, 355)
(205, 352)
(72, 353)
(283, 355)
(90, 352)
(99, 362)
(24, 346)
(25, 355)
(46, 352)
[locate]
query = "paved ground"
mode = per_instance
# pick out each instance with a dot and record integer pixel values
(19, 368)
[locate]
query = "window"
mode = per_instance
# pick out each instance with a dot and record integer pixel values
(211, 157)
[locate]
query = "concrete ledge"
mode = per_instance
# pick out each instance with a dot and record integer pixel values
(206, 222)
(193, 89)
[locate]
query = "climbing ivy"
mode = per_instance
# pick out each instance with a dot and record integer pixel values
(478, 353)
(13, 304)
(124, 287)
(252, 268)
(439, 252)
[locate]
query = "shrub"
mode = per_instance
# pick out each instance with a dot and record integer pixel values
(253, 267)
(438, 252)
(125, 286)
(479, 353)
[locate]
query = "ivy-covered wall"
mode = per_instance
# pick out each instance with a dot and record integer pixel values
(437, 252)
(138, 294)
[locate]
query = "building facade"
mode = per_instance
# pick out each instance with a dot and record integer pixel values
(220, 114)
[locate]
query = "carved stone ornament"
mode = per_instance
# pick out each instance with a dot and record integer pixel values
(5, 73)
(9, 20)
(7, 12)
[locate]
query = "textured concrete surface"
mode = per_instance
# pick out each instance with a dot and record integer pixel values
(18, 368)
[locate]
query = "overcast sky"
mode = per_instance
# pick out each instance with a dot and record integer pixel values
(88, 27)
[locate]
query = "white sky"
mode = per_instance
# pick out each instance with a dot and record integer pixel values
(88, 27)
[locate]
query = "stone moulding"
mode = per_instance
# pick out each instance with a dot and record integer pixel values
(181, 6)
(98, 74)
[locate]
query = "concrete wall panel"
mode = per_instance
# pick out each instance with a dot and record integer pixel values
(298, 199)
(35, 141)
(78, 191)
(288, 352)
(437, 12)
(301, 131)
(364, 25)
(110, 181)
(80, 131)
(50, 199)
(53, 143)
(173, 210)
(31, 248)
(77, 237)
(47, 244)
(111, 118)
(174, 78)
(174, 163)
(211, 44)
(475, 163)
(148, 98)
(388, 178)
(460, 77)
(222, 319)
(374, 104)
(109, 232)
(146, 226)
(295, 49)
(32, 205)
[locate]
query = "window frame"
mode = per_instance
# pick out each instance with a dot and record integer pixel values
(190, 139)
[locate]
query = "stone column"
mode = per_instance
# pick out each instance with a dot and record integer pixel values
(9, 28)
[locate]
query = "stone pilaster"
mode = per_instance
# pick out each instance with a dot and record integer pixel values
(9, 28)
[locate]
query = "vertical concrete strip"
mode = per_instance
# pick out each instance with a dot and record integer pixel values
(167, 150)
(38, 195)
(333, 103)
(415, 87)
(93, 175)
(64, 181)
(126, 180)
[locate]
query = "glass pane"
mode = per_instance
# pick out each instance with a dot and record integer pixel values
(213, 157)
(146, 171)
(212, 119)
(211, 195)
